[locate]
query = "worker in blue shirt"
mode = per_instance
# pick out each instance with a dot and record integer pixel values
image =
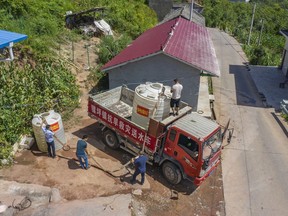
(49, 137)
(82, 153)
(140, 167)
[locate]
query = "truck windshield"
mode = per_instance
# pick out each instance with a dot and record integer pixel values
(211, 145)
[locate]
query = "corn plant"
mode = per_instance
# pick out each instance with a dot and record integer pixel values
(27, 91)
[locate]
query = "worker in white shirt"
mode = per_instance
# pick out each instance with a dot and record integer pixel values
(176, 96)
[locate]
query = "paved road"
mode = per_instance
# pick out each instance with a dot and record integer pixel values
(255, 170)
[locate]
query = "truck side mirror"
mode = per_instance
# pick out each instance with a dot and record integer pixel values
(205, 164)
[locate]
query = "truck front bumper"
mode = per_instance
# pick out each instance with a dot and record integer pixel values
(199, 180)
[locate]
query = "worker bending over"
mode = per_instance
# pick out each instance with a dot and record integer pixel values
(140, 167)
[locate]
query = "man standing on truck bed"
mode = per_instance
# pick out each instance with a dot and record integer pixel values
(176, 96)
(140, 167)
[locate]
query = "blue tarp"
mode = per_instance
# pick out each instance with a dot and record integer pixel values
(7, 37)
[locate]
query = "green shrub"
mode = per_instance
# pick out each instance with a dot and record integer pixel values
(5, 152)
(28, 91)
(42, 26)
(110, 47)
(130, 17)
(236, 19)
(285, 116)
(43, 21)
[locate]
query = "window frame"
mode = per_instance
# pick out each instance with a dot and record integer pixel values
(193, 154)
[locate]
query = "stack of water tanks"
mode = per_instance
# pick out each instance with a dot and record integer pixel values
(151, 100)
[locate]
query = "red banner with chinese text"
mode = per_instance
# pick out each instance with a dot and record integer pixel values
(122, 125)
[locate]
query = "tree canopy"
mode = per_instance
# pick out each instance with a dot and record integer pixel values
(271, 16)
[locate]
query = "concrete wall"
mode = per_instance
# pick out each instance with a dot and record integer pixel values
(158, 68)
(285, 62)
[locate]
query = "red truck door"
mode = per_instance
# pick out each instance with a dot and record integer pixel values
(184, 149)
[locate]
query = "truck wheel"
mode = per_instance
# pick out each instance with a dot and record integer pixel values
(171, 172)
(111, 140)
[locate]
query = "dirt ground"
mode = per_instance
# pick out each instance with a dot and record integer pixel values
(64, 173)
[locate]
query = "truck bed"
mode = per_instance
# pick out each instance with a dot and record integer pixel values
(118, 100)
(113, 108)
(121, 109)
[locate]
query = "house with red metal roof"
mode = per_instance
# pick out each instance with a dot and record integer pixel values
(175, 49)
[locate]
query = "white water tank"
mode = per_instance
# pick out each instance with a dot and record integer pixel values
(55, 121)
(151, 100)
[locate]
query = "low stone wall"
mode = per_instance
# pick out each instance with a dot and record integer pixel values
(12, 192)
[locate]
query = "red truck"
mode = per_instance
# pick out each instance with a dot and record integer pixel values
(186, 146)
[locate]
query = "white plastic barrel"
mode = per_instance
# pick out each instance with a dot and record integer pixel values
(55, 121)
(151, 100)
(38, 132)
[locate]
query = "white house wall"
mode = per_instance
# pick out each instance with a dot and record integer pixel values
(158, 68)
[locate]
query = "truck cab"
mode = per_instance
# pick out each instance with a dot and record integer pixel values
(192, 149)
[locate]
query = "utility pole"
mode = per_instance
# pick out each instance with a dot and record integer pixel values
(251, 24)
(191, 10)
(259, 39)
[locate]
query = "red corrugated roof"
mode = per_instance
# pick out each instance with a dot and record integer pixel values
(178, 38)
